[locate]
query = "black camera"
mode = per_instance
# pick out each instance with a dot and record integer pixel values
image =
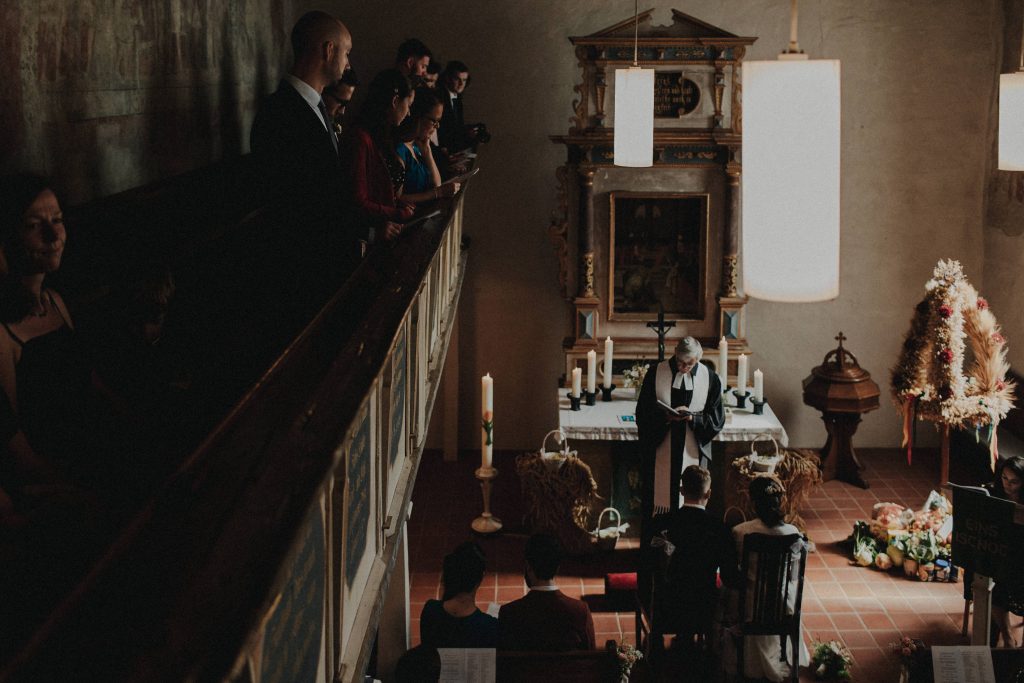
(481, 132)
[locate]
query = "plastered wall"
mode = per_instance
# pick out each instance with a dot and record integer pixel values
(111, 95)
(105, 95)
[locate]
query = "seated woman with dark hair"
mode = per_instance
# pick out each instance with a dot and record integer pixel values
(761, 653)
(422, 177)
(455, 620)
(375, 173)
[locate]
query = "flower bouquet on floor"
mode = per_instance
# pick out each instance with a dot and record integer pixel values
(915, 659)
(831, 661)
(922, 550)
(628, 656)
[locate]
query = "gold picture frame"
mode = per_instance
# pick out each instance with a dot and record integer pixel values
(658, 255)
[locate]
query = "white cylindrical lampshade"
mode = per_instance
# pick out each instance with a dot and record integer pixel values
(791, 180)
(1011, 122)
(634, 117)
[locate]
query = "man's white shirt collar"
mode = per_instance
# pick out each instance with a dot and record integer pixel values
(544, 588)
(307, 93)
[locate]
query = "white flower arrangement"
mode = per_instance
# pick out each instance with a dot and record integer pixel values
(634, 376)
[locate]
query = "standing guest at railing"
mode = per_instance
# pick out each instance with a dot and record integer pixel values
(412, 60)
(422, 177)
(545, 618)
(433, 73)
(373, 170)
(337, 97)
(453, 135)
(455, 620)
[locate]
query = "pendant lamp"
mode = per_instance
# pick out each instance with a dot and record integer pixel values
(791, 176)
(1011, 119)
(634, 111)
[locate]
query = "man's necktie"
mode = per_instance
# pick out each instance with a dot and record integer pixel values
(327, 123)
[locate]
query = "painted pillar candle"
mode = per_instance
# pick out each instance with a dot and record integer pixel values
(758, 386)
(591, 372)
(487, 436)
(608, 347)
(723, 362)
(577, 377)
(741, 374)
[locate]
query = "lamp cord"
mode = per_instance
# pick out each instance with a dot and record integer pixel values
(636, 29)
(794, 45)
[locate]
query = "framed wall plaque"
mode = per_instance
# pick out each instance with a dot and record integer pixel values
(658, 255)
(675, 95)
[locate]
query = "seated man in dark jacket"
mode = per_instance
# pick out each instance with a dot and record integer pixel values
(687, 549)
(545, 618)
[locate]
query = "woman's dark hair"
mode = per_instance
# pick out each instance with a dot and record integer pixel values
(1015, 465)
(463, 570)
(373, 116)
(426, 99)
(766, 494)
(17, 192)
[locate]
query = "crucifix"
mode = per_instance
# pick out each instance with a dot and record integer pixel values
(661, 327)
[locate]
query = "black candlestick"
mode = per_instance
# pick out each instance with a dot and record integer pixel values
(741, 399)
(591, 397)
(574, 402)
(758, 406)
(661, 327)
(606, 393)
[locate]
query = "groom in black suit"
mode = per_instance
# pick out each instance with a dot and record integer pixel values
(683, 554)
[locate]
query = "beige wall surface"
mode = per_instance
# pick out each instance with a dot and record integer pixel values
(919, 85)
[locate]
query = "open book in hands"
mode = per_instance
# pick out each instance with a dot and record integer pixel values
(680, 412)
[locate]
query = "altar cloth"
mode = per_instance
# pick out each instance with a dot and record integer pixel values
(614, 420)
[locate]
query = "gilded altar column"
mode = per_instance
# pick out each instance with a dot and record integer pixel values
(730, 303)
(586, 285)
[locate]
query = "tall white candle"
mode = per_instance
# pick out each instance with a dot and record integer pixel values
(577, 378)
(608, 347)
(487, 436)
(741, 374)
(591, 372)
(758, 386)
(723, 362)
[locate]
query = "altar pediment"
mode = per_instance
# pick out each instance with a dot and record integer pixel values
(684, 28)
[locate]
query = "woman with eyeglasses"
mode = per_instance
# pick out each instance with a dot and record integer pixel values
(422, 177)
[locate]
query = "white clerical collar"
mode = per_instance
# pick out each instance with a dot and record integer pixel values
(684, 379)
(544, 588)
(693, 505)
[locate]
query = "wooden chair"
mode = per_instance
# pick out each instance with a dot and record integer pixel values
(575, 666)
(769, 605)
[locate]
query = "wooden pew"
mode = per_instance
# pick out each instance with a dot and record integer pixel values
(577, 666)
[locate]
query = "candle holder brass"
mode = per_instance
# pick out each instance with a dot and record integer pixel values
(606, 393)
(574, 401)
(486, 523)
(591, 397)
(758, 406)
(741, 398)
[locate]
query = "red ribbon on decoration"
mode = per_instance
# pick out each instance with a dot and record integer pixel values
(908, 425)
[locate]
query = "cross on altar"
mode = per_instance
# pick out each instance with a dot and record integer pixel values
(661, 327)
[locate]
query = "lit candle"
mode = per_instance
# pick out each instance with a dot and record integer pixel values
(608, 346)
(591, 372)
(487, 437)
(577, 379)
(723, 362)
(741, 374)
(758, 386)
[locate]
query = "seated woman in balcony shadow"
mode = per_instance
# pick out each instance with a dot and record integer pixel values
(455, 620)
(44, 370)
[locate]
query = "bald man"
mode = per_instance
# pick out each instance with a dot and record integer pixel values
(295, 152)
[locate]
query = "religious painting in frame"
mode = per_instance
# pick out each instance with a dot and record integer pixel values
(657, 255)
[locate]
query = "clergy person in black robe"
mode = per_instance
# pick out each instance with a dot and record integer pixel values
(669, 443)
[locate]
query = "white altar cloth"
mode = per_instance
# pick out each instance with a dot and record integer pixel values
(614, 421)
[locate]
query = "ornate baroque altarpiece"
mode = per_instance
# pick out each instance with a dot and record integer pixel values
(633, 242)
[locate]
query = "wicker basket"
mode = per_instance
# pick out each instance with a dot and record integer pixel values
(606, 538)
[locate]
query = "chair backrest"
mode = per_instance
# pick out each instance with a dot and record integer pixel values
(772, 590)
(575, 666)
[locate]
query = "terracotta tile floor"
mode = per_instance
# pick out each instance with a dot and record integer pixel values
(864, 608)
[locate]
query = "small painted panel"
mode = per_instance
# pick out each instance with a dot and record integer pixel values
(586, 324)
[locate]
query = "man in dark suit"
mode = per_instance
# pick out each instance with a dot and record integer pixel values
(681, 557)
(545, 618)
(294, 151)
(452, 135)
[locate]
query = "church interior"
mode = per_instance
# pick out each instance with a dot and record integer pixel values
(298, 448)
